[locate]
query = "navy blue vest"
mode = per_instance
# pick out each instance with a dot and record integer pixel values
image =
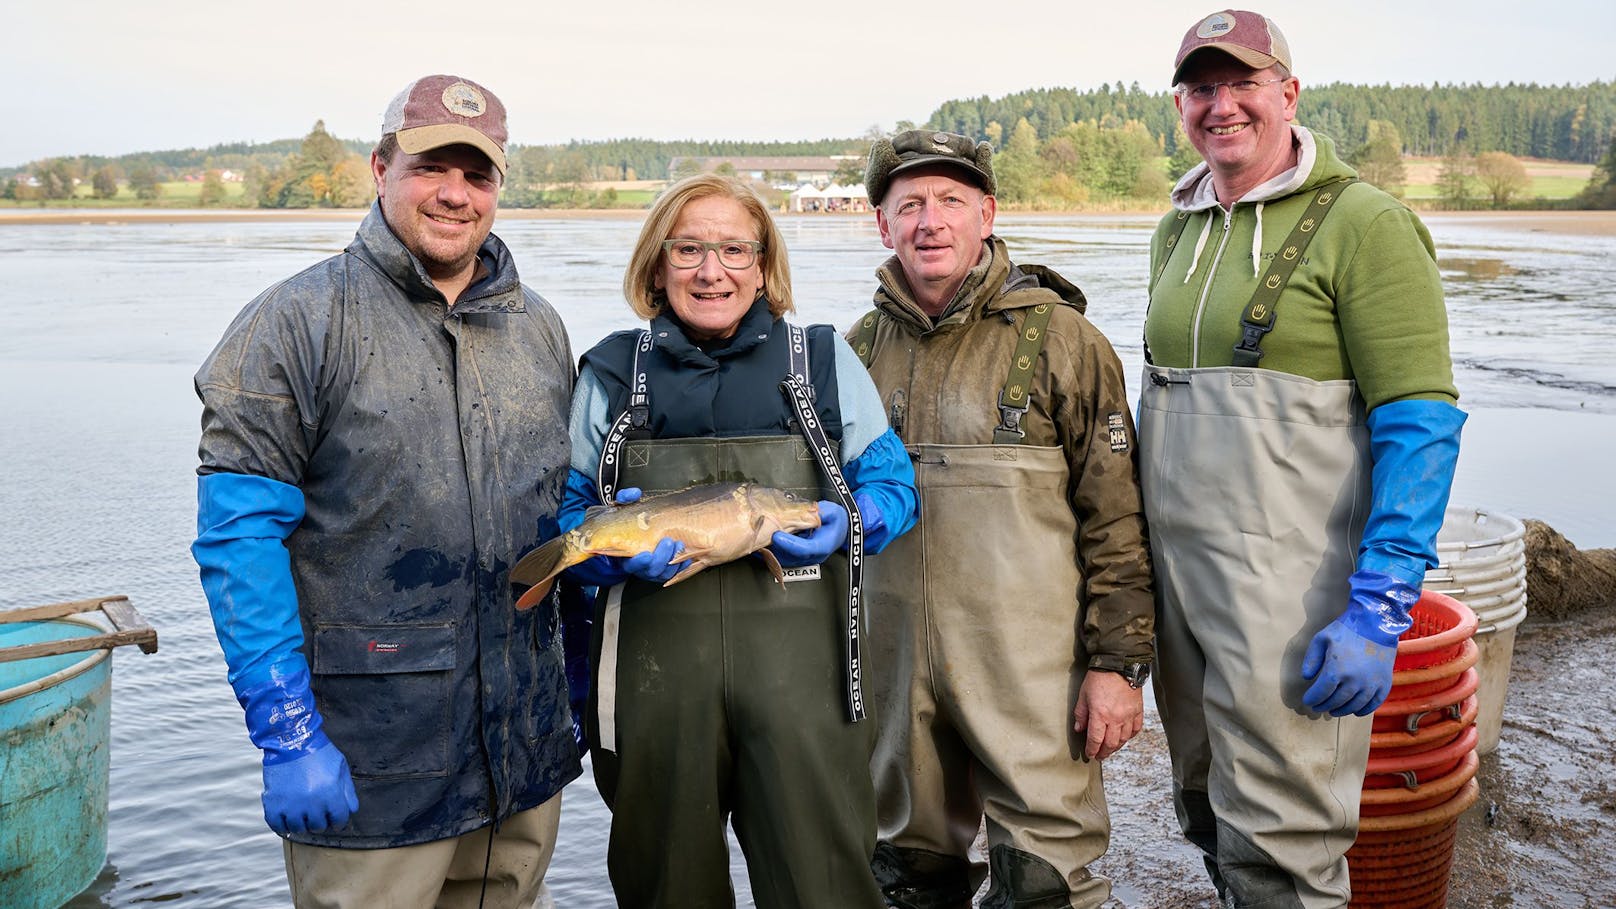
(732, 390)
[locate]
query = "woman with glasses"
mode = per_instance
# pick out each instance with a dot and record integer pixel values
(731, 695)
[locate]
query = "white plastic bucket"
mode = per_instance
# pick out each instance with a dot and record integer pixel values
(1471, 534)
(1495, 642)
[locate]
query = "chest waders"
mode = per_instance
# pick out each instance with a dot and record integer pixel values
(725, 697)
(976, 661)
(1256, 489)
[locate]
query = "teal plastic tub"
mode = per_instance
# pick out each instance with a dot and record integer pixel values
(55, 726)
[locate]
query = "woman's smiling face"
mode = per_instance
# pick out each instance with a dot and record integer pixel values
(710, 299)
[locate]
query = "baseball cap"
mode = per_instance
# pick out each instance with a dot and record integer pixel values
(434, 111)
(914, 148)
(1249, 37)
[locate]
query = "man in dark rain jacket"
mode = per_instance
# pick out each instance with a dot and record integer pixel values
(381, 435)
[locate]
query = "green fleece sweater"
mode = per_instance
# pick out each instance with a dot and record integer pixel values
(1365, 302)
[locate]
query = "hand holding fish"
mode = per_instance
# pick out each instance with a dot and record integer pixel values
(794, 551)
(714, 524)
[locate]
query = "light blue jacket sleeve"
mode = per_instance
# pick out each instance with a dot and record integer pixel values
(1415, 447)
(242, 523)
(874, 460)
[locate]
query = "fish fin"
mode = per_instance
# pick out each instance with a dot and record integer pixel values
(694, 567)
(773, 564)
(538, 569)
(535, 594)
(596, 510)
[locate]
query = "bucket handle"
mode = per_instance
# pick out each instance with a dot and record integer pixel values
(128, 628)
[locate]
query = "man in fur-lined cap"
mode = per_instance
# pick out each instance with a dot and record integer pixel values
(1012, 628)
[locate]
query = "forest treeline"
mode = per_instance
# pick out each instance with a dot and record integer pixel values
(1563, 123)
(1058, 147)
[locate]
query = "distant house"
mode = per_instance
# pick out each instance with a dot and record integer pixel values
(778, 170)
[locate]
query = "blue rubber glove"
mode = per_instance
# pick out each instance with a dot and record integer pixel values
(307, 784)
(658, 565)
(799, 552)
(1350, 661)
(1415, 445)
(870, 516)
(596, 571)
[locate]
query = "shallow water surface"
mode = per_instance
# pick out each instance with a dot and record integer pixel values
(108, 323)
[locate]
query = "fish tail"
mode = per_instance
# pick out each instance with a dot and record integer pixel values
(539, 569)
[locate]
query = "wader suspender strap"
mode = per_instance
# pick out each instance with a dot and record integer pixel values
(1258, 319)
(636, 420)
(802, 402)
(864, 338)
(1173, 233)
(1013, 398)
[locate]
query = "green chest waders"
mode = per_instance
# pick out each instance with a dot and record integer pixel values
(724, 697)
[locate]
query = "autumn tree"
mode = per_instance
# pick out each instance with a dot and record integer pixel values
(144, 183)
(104, 182)
(1502, 176)
(1455, 181)
(1380, 159)
(212, 189)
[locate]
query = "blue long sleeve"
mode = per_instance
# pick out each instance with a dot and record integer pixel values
(884, 473)
(242, 523)
(1415, 446)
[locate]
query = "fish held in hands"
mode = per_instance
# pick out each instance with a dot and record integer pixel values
(716, 523)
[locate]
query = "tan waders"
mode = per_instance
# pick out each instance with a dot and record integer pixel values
(442, 874)
(723, 696)
(973, 672)
(1256, 489)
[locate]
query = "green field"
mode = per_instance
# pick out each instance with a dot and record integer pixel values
(177, 194)
(1551, 180)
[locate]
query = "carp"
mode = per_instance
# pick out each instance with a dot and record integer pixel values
(716, 522)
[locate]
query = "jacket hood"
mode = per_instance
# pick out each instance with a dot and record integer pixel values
(994, 285)
(1317, 163)
(500, 290)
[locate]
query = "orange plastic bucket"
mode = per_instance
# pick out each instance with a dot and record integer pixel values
(1413, 712)
(1409, 683)
(1442, 729)
(1441, 626)
(1428, 794)
(1412, 768)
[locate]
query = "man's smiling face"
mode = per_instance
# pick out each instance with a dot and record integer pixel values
(440, 204)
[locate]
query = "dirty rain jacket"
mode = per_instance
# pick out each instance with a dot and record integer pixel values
(430, 447)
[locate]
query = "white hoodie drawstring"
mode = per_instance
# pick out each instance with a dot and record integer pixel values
(1195, 260)
(1256, 242)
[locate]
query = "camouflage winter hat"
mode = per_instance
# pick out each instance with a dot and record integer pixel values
(921, 147)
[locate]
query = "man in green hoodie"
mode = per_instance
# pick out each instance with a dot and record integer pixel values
(1011, 629)
(1298, 434)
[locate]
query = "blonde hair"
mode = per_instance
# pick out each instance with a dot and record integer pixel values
(639, 281)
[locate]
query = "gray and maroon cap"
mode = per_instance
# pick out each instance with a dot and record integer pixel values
(1249, 37)
(434, 111)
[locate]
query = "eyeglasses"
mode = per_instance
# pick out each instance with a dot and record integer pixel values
(1206, 91)
(731, 253)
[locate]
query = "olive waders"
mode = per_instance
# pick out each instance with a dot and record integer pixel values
(724, 696)
(975, 664)
(1256, 487)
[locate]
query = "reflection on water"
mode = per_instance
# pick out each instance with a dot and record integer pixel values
(106, 325)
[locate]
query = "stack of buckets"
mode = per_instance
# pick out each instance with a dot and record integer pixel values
(1422, 762)
(1482, 563)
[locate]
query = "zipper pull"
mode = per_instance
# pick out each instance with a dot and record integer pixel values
(1161, 381)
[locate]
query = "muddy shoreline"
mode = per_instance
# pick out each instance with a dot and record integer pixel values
(1543, 833)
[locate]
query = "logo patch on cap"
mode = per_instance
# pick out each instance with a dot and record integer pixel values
(464, 100)
(1215, 25)
(940, 139)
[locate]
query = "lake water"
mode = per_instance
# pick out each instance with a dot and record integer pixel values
(109, 322)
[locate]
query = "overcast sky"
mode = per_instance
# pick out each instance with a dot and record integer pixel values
(112, 76)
